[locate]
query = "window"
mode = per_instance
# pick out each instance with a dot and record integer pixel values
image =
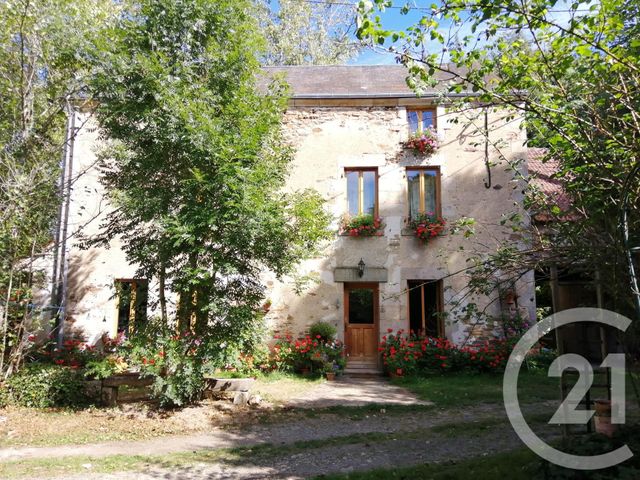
(362, 191)
(424, 190)
(421, 119)
(425, 304)
(131, 297)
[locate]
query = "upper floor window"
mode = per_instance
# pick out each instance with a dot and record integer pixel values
(421, 119)
(424, 191)
(131, 297)
(362, 191)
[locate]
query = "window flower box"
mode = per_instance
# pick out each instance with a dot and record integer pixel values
(427, 226)
(423, 142)
(362, 226)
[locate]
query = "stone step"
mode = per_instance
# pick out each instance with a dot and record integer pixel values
(362, 371)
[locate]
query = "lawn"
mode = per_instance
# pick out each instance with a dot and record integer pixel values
(470, 389)
(517, 465)
(46, 427)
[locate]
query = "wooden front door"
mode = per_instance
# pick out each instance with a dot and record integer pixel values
(361, 322)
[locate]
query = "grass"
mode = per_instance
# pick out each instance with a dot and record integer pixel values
(468, 389)
(515, 465)
(52, 427)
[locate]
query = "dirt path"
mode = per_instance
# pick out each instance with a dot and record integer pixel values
(336, 442)
(331, 459)
(298, 428)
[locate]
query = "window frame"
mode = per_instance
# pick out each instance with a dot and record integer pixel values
(419, 111)
(422, 192)
(361, 170)
(133, 321)
(439, 307)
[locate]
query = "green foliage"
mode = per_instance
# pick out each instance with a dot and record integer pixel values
(323, 330)
(197, 163)
(596, 444)
(105, 367)
(45, 52)
(362, 226)
(410, 354)
(427, 226)
(309, 352)
(42, 386)
(572, 77)
(305, 33)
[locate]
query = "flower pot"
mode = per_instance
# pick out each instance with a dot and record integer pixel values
(305, 371)
(330, 376)
(603, 408)
(603, 418)
(605, 427)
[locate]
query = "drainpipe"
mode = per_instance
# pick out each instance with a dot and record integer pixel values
(64, 260)
(55, 276)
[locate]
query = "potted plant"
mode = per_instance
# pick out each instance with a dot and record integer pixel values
(603, 418)
(329, 371)
(427, 226)
(422, 142)
(362, 226)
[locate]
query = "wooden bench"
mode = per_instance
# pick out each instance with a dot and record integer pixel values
(137, 388)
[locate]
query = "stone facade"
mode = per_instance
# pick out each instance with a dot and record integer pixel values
(330, 135)
(330, 138)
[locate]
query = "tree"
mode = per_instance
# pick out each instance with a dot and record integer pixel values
(196, 165)
(573, 72)
(308, 33)
(45, 49)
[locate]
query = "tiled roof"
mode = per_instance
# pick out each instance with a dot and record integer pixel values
(543, 170)
(349, 81)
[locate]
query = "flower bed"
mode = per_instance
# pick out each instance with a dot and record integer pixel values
(407, 354)
(427, 226)
(313, 353)
(423, 142)
(362, 226)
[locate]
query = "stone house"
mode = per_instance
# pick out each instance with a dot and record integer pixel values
(347, 124)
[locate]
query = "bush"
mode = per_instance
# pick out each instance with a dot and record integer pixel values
(404, 354)
(596, 444)
(43, 385)
(322, 330)
(307, 352)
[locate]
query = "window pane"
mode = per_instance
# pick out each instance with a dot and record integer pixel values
(430, 191)
(352, 193)
(123, 292)
(413, 178)
(361, 306)
(427, 119)
(412, 118)
(369, 204)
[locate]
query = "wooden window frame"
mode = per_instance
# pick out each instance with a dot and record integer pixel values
(438, 211)
(360, 170)
(135, 283)
(419, 111)
(439, 304)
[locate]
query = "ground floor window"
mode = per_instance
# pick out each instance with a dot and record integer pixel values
(425, 306)
(131, 298)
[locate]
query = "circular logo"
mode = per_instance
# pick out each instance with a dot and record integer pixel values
(510, 389)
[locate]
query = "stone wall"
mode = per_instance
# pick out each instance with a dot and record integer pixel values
(328, 139)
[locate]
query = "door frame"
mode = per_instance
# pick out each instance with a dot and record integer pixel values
(376, 309)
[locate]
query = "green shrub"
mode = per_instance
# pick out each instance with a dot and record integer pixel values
(326, 331)
(4, 395)
(44, 385)
(312, 353)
